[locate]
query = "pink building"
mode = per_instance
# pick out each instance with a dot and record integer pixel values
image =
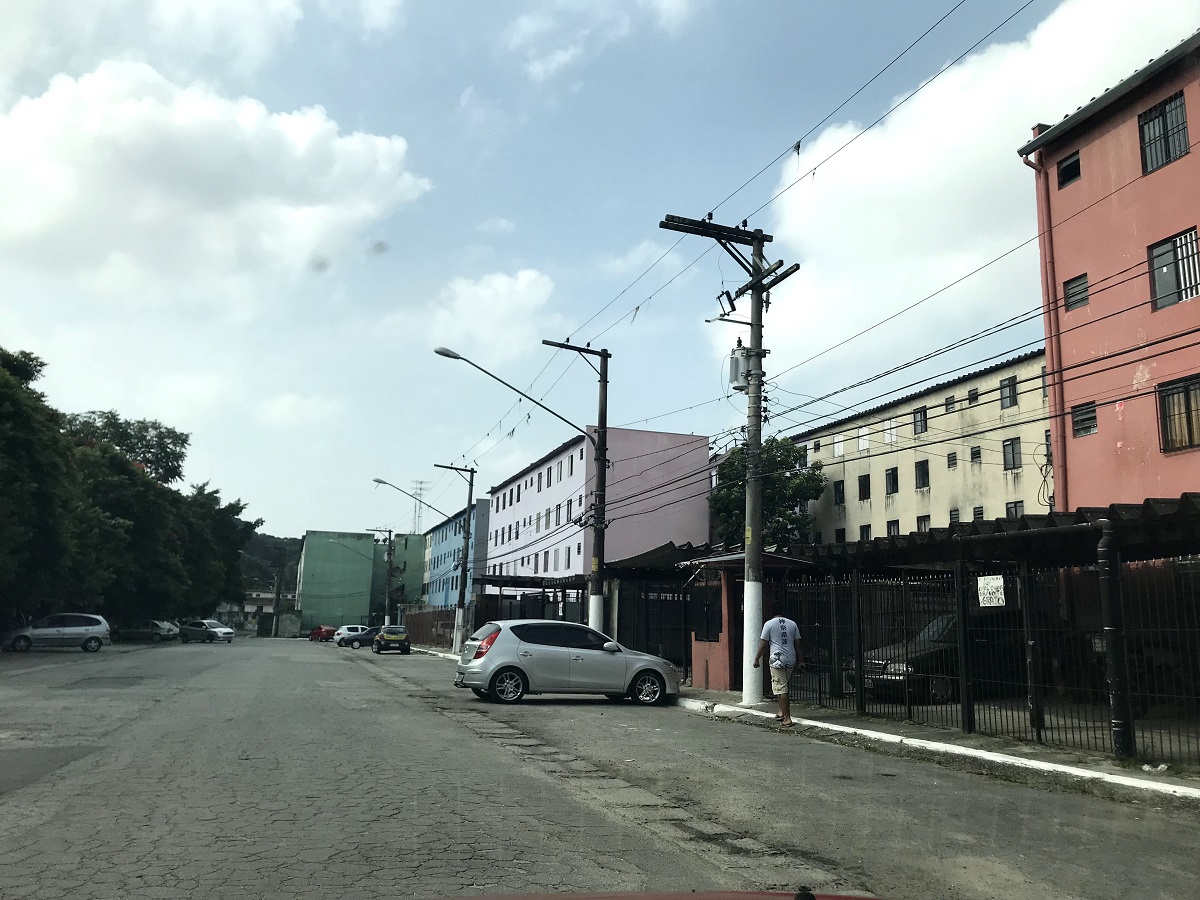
(1118, 201)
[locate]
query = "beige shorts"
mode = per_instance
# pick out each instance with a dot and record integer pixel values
(780, 678)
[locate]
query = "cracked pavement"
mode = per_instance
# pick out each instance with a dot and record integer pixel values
(291, 769)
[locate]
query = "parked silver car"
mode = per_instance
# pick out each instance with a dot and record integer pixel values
(152, 630)
(506, 660)
(205, 630)
(87, 631)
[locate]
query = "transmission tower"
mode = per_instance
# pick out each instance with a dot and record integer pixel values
(418, 491)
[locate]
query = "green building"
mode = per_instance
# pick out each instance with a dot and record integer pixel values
(408, 567)
(341, 580)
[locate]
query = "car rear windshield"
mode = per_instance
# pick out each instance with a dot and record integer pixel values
(486, 631)
(213, 623)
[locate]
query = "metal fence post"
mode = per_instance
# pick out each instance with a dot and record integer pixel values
(1109, 564)
(860, 684)
(964, 652)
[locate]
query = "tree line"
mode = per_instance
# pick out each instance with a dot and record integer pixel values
(90, 522)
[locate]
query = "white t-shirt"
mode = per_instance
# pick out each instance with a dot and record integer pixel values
(782, 634)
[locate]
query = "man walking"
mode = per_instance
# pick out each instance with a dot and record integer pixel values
(781, 637)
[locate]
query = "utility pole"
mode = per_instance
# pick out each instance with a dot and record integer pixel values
(596, 576)
(761, 281)
(387, 596)
(460, 610)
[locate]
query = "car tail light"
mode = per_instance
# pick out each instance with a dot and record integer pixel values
(485, 645)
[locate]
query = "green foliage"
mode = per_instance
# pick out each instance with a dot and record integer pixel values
(788, 484)
(87, 522)
(154, 447)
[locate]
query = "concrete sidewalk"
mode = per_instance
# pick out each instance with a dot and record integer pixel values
(1003, 757)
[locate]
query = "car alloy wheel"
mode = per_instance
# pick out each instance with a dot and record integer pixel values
(649, 688)
(508, 686)
(941, 690)
(22, 643)
(155, 638)
(210, 639)
(92, 644)
(355, 644)
(183, 637)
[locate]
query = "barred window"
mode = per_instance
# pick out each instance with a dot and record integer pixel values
(1175, 270)
(1164, 133)
(1083, 419)
(1179, 407)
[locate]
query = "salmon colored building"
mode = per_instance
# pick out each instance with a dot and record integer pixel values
(1118, 202)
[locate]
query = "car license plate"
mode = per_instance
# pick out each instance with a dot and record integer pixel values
(458, 679)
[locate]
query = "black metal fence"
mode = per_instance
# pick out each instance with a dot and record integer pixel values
(653, 617)
(1020, 654)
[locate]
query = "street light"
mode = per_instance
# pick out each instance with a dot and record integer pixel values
(599, 444)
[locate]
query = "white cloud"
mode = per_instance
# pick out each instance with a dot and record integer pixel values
(936, 191)
(637, 259)
(290, 409)
(141, 188)
(497, 225)
(543, 68)
(671, 15)
(498, 316)
(371, 15)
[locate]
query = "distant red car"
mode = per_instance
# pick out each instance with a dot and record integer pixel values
(322, 633)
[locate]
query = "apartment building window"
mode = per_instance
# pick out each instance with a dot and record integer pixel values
(570, 501)
(1008, 392)
(555, 559)
(1179, 407)
(1068, 170)
(977, 454)
(1014, 510)
(923, 524)
(579, 547)
(510, 532)
(893, 527)
(1083, 419)
(977, 513)
(1164, 133)
(839, 493)
(549, 475)
(557, 514)
(558, 470)
(1045, 384)
(951, 460)
(839, 535)
(891, 481)
(518, 493)
(539, 482)
(837, 445)
(920, 420)
(545, 560)
(571, 465)
(817, 446)
(535, 563)
(864, 487)
(1012, 453)
(1075, 292)
(1049, 450)
(889, 431)
(922, 474)
(1175, 270)
(547, 518)
(864, 532)
(954, 515)
(538, 527)
(972, 396)
(864, 438)
(950, 404)
(567, 552)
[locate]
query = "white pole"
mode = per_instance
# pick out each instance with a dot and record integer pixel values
(752, 622)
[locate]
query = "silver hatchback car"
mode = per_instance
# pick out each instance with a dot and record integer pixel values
(506, 660)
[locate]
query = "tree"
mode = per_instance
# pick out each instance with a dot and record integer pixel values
(788, 484)
(157, 449)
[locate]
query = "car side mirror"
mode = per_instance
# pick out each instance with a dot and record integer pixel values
(611, 647)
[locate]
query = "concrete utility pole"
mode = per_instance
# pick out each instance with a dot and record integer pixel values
(596, 576)
(758, 286)
(387, 596)
(460, 610)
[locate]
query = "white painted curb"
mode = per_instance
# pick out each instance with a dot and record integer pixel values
(449, 656)
(1174, 790)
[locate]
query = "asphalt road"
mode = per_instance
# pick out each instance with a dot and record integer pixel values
(291, 769)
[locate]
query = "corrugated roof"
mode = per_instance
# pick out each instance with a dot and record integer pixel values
(934, 388)
(1112, 95)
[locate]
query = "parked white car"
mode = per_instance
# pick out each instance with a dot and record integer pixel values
(346, 631)
(207, 630)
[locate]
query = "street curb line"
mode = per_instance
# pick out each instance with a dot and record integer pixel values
(449, 656)
(955, 750)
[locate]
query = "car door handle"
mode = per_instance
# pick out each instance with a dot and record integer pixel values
(524, 653)
(577, 658)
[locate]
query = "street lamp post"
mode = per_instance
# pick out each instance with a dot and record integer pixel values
(600, 445)
(460, 608)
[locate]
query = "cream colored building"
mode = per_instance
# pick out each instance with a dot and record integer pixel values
(971, 448)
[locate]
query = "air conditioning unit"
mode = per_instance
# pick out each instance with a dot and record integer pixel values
(739, 369)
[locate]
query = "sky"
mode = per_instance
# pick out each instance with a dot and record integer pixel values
(255, 221)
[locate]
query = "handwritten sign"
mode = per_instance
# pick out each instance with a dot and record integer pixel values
(990, 589)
